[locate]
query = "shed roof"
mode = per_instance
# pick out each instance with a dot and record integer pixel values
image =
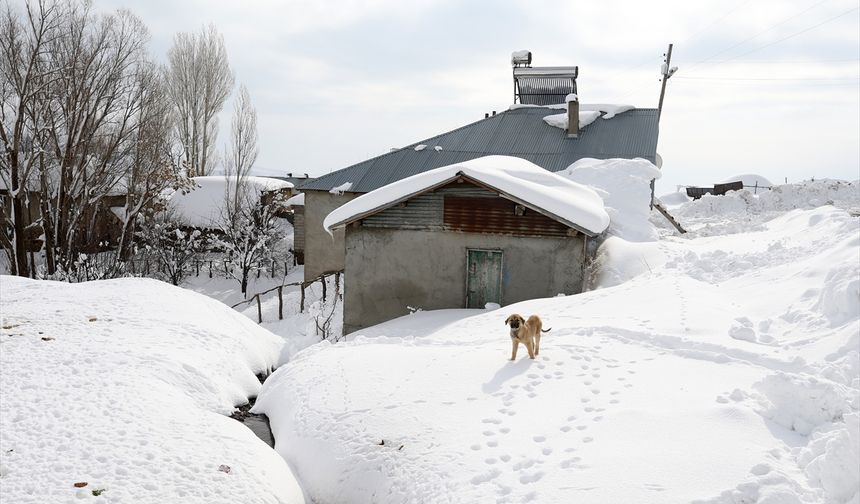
(516, 179)
(520, 132)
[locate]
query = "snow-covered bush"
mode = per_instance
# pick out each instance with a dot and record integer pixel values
(169, 246)
(249, 230)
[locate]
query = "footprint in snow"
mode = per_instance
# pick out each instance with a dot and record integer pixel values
(486, 476)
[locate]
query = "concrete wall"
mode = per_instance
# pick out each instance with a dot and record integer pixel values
(388, 270)
(322, 251)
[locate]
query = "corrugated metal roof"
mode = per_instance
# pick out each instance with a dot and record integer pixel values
(520, 132)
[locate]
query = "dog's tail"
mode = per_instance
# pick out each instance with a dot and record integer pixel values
(546, 330)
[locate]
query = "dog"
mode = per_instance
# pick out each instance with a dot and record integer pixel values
(527, 332)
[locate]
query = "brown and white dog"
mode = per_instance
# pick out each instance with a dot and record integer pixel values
(527, 332)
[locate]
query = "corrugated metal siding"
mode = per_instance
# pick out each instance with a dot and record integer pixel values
(520, 132)
(468, 208)
(497, 216)
(299, 229)
(423, 212)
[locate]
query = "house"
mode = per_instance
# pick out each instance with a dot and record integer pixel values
(547, 125)
(98, 229)
(496, 229)
(296, 205)
(521, 132)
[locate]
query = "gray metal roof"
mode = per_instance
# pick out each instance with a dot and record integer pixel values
(520, 132)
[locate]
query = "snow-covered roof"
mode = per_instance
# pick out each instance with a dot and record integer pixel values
(587, 113)
(520, 131)
(749, 179)
(204, 206)
(297, 200)
(516, 179)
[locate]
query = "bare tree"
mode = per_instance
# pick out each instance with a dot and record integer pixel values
(82, 120)
(199, 81)
(95, 107)
(23, 81)
(248, 232)
(242, 152)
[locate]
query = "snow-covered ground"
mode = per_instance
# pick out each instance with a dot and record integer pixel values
(719, 367)
(124, 386)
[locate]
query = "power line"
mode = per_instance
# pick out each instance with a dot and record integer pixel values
(713, 23)
(816, 4)
(793, 62)
(771, 78)
(849, 11)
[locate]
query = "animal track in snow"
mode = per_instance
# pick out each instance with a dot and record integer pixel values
(485, 477)
(531, 478)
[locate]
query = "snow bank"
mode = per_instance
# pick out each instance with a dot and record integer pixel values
(740, 211)
(204, 206)
(511, 175)
(124, 385)
(674, 199)
(832, 457)
(624, 186)
(715, 375)
(803, 403)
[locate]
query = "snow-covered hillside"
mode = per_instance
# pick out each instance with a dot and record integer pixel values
(719, 368)
(125, 385)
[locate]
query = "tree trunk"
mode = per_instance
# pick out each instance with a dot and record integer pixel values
(21, 265)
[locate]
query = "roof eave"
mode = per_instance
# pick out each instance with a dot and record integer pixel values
(475, 181)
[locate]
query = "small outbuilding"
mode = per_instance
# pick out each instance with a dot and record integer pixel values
(496, 229)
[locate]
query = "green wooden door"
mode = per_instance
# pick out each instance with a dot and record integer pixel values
(483, 277)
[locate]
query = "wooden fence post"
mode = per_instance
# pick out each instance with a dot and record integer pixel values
(259, 310)
(281, 303)
(302, 303)
(337, 284)
(210, 269)
(322, 279)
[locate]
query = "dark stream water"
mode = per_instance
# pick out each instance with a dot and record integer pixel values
(259, 424)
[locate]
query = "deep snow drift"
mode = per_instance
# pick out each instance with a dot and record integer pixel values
(725, 369)
(124, 385)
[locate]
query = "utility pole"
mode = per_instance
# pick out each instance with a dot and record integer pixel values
(667, 72)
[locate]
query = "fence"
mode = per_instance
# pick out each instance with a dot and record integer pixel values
(280, 290)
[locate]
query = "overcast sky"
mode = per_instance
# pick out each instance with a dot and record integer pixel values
(767, 87)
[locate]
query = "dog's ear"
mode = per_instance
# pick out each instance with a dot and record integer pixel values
(508, 320)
